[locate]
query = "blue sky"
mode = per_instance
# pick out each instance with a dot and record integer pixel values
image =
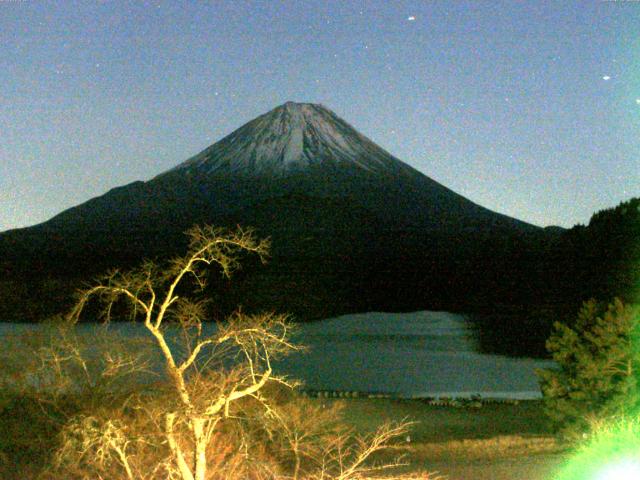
(531, 108)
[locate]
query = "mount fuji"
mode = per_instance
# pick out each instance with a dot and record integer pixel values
(296, 149)
(353, 228)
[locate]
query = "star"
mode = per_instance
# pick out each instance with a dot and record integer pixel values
(606, 77)
(411, 18)
(638, 101)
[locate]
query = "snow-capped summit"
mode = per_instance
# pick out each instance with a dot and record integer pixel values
(288, 139)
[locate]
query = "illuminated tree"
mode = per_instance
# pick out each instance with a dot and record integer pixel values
(201, 400)
(598, 363)
(194, 424)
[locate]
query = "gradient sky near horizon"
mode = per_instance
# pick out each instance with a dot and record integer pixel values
(531, 108)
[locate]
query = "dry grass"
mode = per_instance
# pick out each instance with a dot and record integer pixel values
(491, 448)
(436, 424)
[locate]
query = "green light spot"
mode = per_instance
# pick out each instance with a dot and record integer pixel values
(613, 453)
(628, 469)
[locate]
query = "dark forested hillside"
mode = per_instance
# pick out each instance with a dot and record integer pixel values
(602, 259)
(344, 266)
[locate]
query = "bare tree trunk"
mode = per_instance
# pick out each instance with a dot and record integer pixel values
(296, 451)
(200, 448)
(125, 462)
(296, 470)
(183, 468)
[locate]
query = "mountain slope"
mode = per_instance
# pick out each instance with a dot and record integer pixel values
(347, 218)
(295, 149)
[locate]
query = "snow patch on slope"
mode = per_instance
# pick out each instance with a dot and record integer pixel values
(289, 138)
(293, 147)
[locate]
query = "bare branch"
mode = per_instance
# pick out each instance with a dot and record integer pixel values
(194, 354)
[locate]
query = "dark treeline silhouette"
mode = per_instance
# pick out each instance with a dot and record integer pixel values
(515, 282)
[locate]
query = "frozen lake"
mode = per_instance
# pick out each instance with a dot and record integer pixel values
(419, 354)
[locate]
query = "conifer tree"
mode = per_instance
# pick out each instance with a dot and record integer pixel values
(598, 364)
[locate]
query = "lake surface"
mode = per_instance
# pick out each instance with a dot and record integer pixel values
(419, 354)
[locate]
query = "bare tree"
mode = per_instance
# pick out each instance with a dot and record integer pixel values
(209, 385)
(203, 399)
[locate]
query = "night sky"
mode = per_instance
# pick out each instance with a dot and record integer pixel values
(531, 109)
